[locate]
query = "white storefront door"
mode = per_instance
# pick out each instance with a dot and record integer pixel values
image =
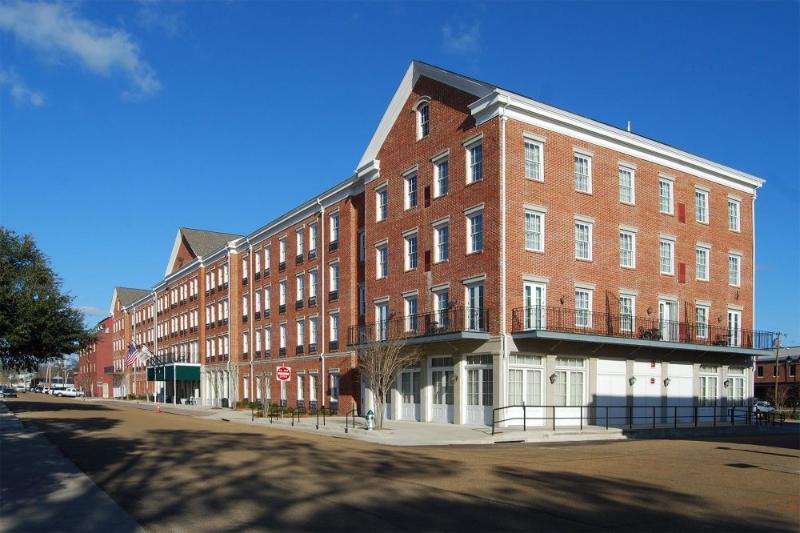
(611, 399)
(441, 378)
(668, 319)
(410, 393)
(570, 391)
(479, 390)
(680, 392)
(646, 391)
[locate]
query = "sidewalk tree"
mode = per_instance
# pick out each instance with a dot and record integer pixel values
(37, 320)
(380, 362)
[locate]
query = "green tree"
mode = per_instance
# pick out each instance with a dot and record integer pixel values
(37, 320)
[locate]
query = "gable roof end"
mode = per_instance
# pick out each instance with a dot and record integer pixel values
(201, 242)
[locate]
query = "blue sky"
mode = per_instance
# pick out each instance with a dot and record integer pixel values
(120, 122)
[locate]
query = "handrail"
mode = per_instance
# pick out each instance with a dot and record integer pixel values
(582, 321)
(451, 320)
(632, 414)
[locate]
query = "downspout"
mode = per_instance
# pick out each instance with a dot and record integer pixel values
(155, 343)
(250, 340)
(503, 251)
(321, 328)
(753, 326)
(231, 404)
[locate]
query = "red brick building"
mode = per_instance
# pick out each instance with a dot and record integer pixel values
(532, 255)
(784, 372)
(95, 363)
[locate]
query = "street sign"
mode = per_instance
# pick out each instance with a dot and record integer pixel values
(283, 373)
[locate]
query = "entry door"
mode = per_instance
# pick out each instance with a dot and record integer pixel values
(680, 392)
(734, 328)
(442, 406)
(479, 396)
(409, 391)
(668, 320)
(475, 307)
(534, 306)
(105, 390)
(646, 391)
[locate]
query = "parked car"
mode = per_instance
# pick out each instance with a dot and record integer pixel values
(8, 392)
(46, 390)
(760, 406)
(69, 392)
(19, 387)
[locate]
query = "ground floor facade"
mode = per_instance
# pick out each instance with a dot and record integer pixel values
(567, 383)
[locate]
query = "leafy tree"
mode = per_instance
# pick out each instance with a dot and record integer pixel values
(380, 361)
(37, 320)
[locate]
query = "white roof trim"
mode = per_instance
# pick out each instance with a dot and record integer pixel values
(174, 255)
(413, 73)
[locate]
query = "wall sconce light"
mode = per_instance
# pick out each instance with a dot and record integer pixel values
(737, 294)
(649, 310)
(667, 381)
(632, 380)
(726, 383)
(553, 378)
(561, 299)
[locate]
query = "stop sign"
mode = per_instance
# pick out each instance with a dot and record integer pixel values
(283, 373)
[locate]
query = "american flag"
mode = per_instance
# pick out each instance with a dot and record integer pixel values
(133, 353)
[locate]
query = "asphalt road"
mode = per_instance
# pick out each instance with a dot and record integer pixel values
(177, 473)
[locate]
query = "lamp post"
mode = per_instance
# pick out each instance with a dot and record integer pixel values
(777, 352)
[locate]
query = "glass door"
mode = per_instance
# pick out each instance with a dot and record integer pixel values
(475, 307)
(534, 295)
(441, 375)
(667, 319)
(410, 394)
(734, 328)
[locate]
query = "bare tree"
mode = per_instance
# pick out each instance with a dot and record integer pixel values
(380, 361)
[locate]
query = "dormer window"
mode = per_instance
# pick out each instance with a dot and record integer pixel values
(423, 118)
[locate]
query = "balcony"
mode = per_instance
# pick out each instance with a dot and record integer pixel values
(299, 349)
(540, 321)
(299, 259)
(282, 352)
(244, 319)
(312, 254)
(449, 324)
(281, 308)
(266, 272)
(333, 246)
(258, 276)
(333, 346)
(298, 304)
(333, 296)
(281, 266)
(312, 301)
(244, 280)
(312, 348)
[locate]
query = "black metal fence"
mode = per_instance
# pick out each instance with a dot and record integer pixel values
(630, 416)
(635, 327)
(453, 320)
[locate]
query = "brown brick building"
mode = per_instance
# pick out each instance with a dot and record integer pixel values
(533, 255)
(95, 363)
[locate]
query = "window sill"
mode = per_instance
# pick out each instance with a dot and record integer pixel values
(584, 259)
(704, 222)
(535, 180)
(703, 280)
(407, 270)
(668, 213)
(670, 274)
(628, 267)
(442, 262)
(735, 286)
(734, 230)
(534, 251)
(587, 193)
(632, 204)
(476, 252)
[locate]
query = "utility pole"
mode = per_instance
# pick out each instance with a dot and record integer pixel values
(777, 352)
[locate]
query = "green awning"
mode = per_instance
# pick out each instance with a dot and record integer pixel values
(169, 372)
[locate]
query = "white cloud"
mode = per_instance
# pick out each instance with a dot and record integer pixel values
(19, 90)
(59, 31)
(151, 16)
(89, 310)
(463, 40)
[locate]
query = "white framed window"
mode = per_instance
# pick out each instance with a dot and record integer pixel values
(583, 173)
(709, 384)
(701, 206)
(570, 384)
(244, 268)
(282, 250)
(734, 327)
(627, 187)
(701, 267)
(282, 335)
(423, 120)
(583, 240)
(441, 242)
(381, 320)
(333, 270)
(475, 231)
(665, 196)
(627, 249)
(300, 236)
(534, 230)
(441, 303)
(312, 283)
(301, 332)
(410, 184)
(734, 212)
(312, 237)
(267, 250)
(583, 308)
(246, 342)
(267, 299)
(381, 202)
(475, 162)
(441, 177)
(282, 292)
(411, 251)
(475, 320)
(736, 376)
(301, 385)
(627, 312)
(666, 248)
(411, 312)
(267, 339)
(362, 246)
(312, 330)
(362, 300)
(701, 321)
(381, 261)
(334, 227)
(300, 283)
(525, 380)
(534, 296)
(734, 270)
(534, 160)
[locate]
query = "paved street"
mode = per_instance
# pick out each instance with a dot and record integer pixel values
(174, 472)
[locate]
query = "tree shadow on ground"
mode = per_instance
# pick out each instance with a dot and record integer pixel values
(28, 406)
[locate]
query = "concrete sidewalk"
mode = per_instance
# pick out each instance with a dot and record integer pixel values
(41, 490)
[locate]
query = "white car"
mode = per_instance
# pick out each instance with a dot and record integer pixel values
(69, 392)
(761, 406)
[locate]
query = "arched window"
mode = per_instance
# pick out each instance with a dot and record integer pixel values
(422, 109)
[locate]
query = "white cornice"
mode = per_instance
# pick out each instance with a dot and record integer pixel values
(544, 116)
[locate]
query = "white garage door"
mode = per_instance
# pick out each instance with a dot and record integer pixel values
(610, 398)
(646, 392)
(680, 393)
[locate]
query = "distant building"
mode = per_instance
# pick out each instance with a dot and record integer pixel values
(95, 364)
(786, 371)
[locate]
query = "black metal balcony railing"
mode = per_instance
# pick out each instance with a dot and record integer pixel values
(333, 346)
(312, 254)
(244, 281)
(312, 301)
(258, 276)
(298, 304)
(333, 296)
(267, 272)
(281, 266)
(282, 352)
(333, 246)
(453, 320)
(298, 260)
(634, 327)
(299, 349)
(312, 348)
(282, 308)
(258, 315)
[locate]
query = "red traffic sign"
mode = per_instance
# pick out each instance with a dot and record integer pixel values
(283, 373)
